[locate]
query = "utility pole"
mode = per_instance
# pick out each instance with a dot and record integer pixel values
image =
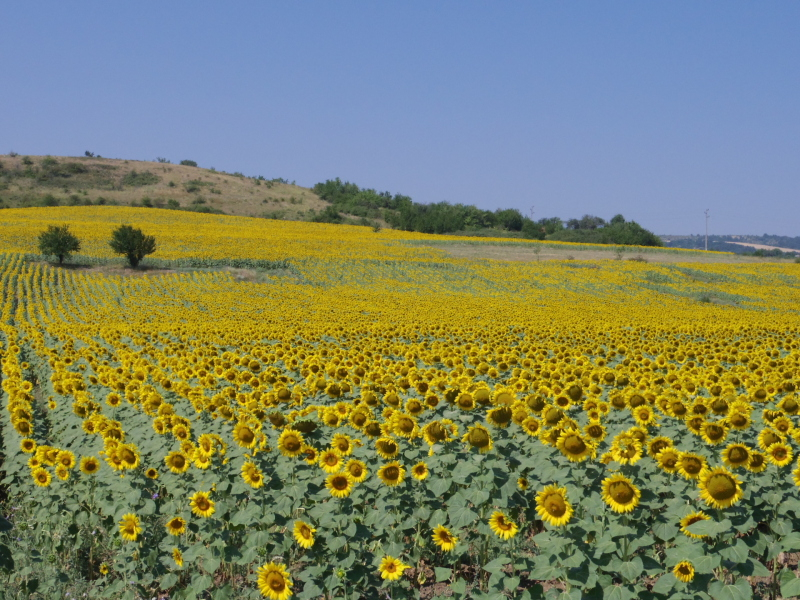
(706, 212)
(532, 207)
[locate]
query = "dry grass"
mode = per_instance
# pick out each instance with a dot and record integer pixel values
(104, 177)
(526, 254)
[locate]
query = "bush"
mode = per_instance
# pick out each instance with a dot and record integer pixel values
(188, 163)
(133, 243)
(135, 179)
(59, 242)
(172, 203)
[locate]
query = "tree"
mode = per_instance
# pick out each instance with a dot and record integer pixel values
(59, 242)
(133, 243)
(188, 163)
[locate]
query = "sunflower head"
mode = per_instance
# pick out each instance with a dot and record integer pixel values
(391, 568)
(176, 526)
(304, 534)
(502, 526)
(274, 581)
(420, 471)
(553, 506)
(340, 485)
(478, 437)
(684, 571)
(392, 473)
(443, 538)
(620, 493)
(720, 488)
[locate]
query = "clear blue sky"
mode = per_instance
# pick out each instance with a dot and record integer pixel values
(656, 110)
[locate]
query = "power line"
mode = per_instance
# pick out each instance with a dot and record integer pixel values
(706, 213)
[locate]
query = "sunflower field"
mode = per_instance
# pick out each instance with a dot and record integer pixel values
(377, 419)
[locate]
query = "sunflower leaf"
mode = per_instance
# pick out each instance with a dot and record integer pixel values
(709, 528)
(497, 564)
(740, 590)
(443, 574)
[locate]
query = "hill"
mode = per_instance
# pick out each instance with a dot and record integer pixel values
(27, 181)
(760, 245)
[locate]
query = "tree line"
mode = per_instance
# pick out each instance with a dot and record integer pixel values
(60, 242)
(401, 212)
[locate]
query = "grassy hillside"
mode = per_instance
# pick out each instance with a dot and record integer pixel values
(27, 181)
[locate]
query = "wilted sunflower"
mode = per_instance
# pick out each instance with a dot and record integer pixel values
(340, 485)
(357, 470)
(572, 445)
(391, 569)
(553, 506)
(387, 448)
(331, 461)
(177, 462)
(691, 465)
(202, 505)
(176, 526)
(129, 527)
(684, 571)
(304, 534)
(720, 488)
(502, 526)
(90, 465)
(419, 471)
(41, 477)
(478, 437)
(392, 473)
(274, 581)
(620, 493)
(736, 455)
(691, 519)
(443, 538)
(291, 443)
(252, 475)
(779, 454)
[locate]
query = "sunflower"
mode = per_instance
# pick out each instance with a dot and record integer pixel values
(553, 506)
(128, 456)
(27, 445)
(151, 473)
(439, 431)
(500, 416)
(465, 401)
(331, 461)
(779, 454)
(245, 435)
(684, 571)
(290, 443)
(387, 448)
(758, 462)
(177, 462)
(129, 527)
(443, 538)
(720, 488)
(177, 556)
(274, 581)
(620, 493)
(502, 526)
(340, 485)
(657, 444)
(357, 470)
(572, 445)
(767, 437)
(691, 465)
(523, 483)
(343, 444)
(404, 425)
(736, 455)
(41, 477)
(714, 432)
(420, 471)
(104, 569)
(644, 415)
(176, 526)
(479, 437)
(596, 431)
(202, 505)
(310, 454)
(392, 569)
(90, 465)
(691, 519)
(392, 473)
(62, 472)
(252, 475)
(304, 534)
(626, 450)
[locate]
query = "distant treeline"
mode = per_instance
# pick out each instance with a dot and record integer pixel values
(401, 212)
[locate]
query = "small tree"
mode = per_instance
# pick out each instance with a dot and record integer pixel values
(59, 242)
(133, 243)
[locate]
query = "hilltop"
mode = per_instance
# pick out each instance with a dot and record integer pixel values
(27, 181)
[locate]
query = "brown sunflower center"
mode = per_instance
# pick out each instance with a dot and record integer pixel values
(340, 483)
(721, 486)
(305, 532)
(437, 432)
(684, 569)
(715, 432)
(178, 461)
(356, 470)
(202, 503)
(573, 444)
(276, 582)
(692, 465)
(246, 435)
(391, 473)
(555, 505)
(502, 415)
(478, 438)
(756, 461)
(738, 455)
(779, 453)
(621, 492)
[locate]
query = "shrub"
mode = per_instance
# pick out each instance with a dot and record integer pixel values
(135, 179)
(172, 203)
(59, 242)
(188, 163)
(133, 243)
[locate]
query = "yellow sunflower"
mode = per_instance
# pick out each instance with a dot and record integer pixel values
(176, 526)
(392, 473)
(129, 527)
(357, 469)
(532, 426)
(691, 465)
(657, 444)
(274, 581)
(572, 445)
(758, 462)
(304, 534)
(420, 471)
(668, 460)
(779, 454)
(684, 571)
(252, 475)
(27, 445)
(387, 448)
(41, 477)
(202, 505)
(290, 443)
(523, 483)
(620, 493)
(478, 437)
(502, 526)
(331, 461)
(720, 488)
(391, 568)
(90, 465)
(443, 538)
(177, 556)
(340, 485)
(736, 455)
(177, 462)
(553, 506)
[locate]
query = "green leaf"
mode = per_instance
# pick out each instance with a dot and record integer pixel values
(709, 528)
(440, 486)
(6, 559)
(461, 516)
(201, 582)
(737, 553)
(665, 531)
(791, 542)
(665, 584)
(632, 569)
(740, 590)
(168, 580)
(791, 588)
(706, 563)
(619, 592)
(497, 564)
(443, 574)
